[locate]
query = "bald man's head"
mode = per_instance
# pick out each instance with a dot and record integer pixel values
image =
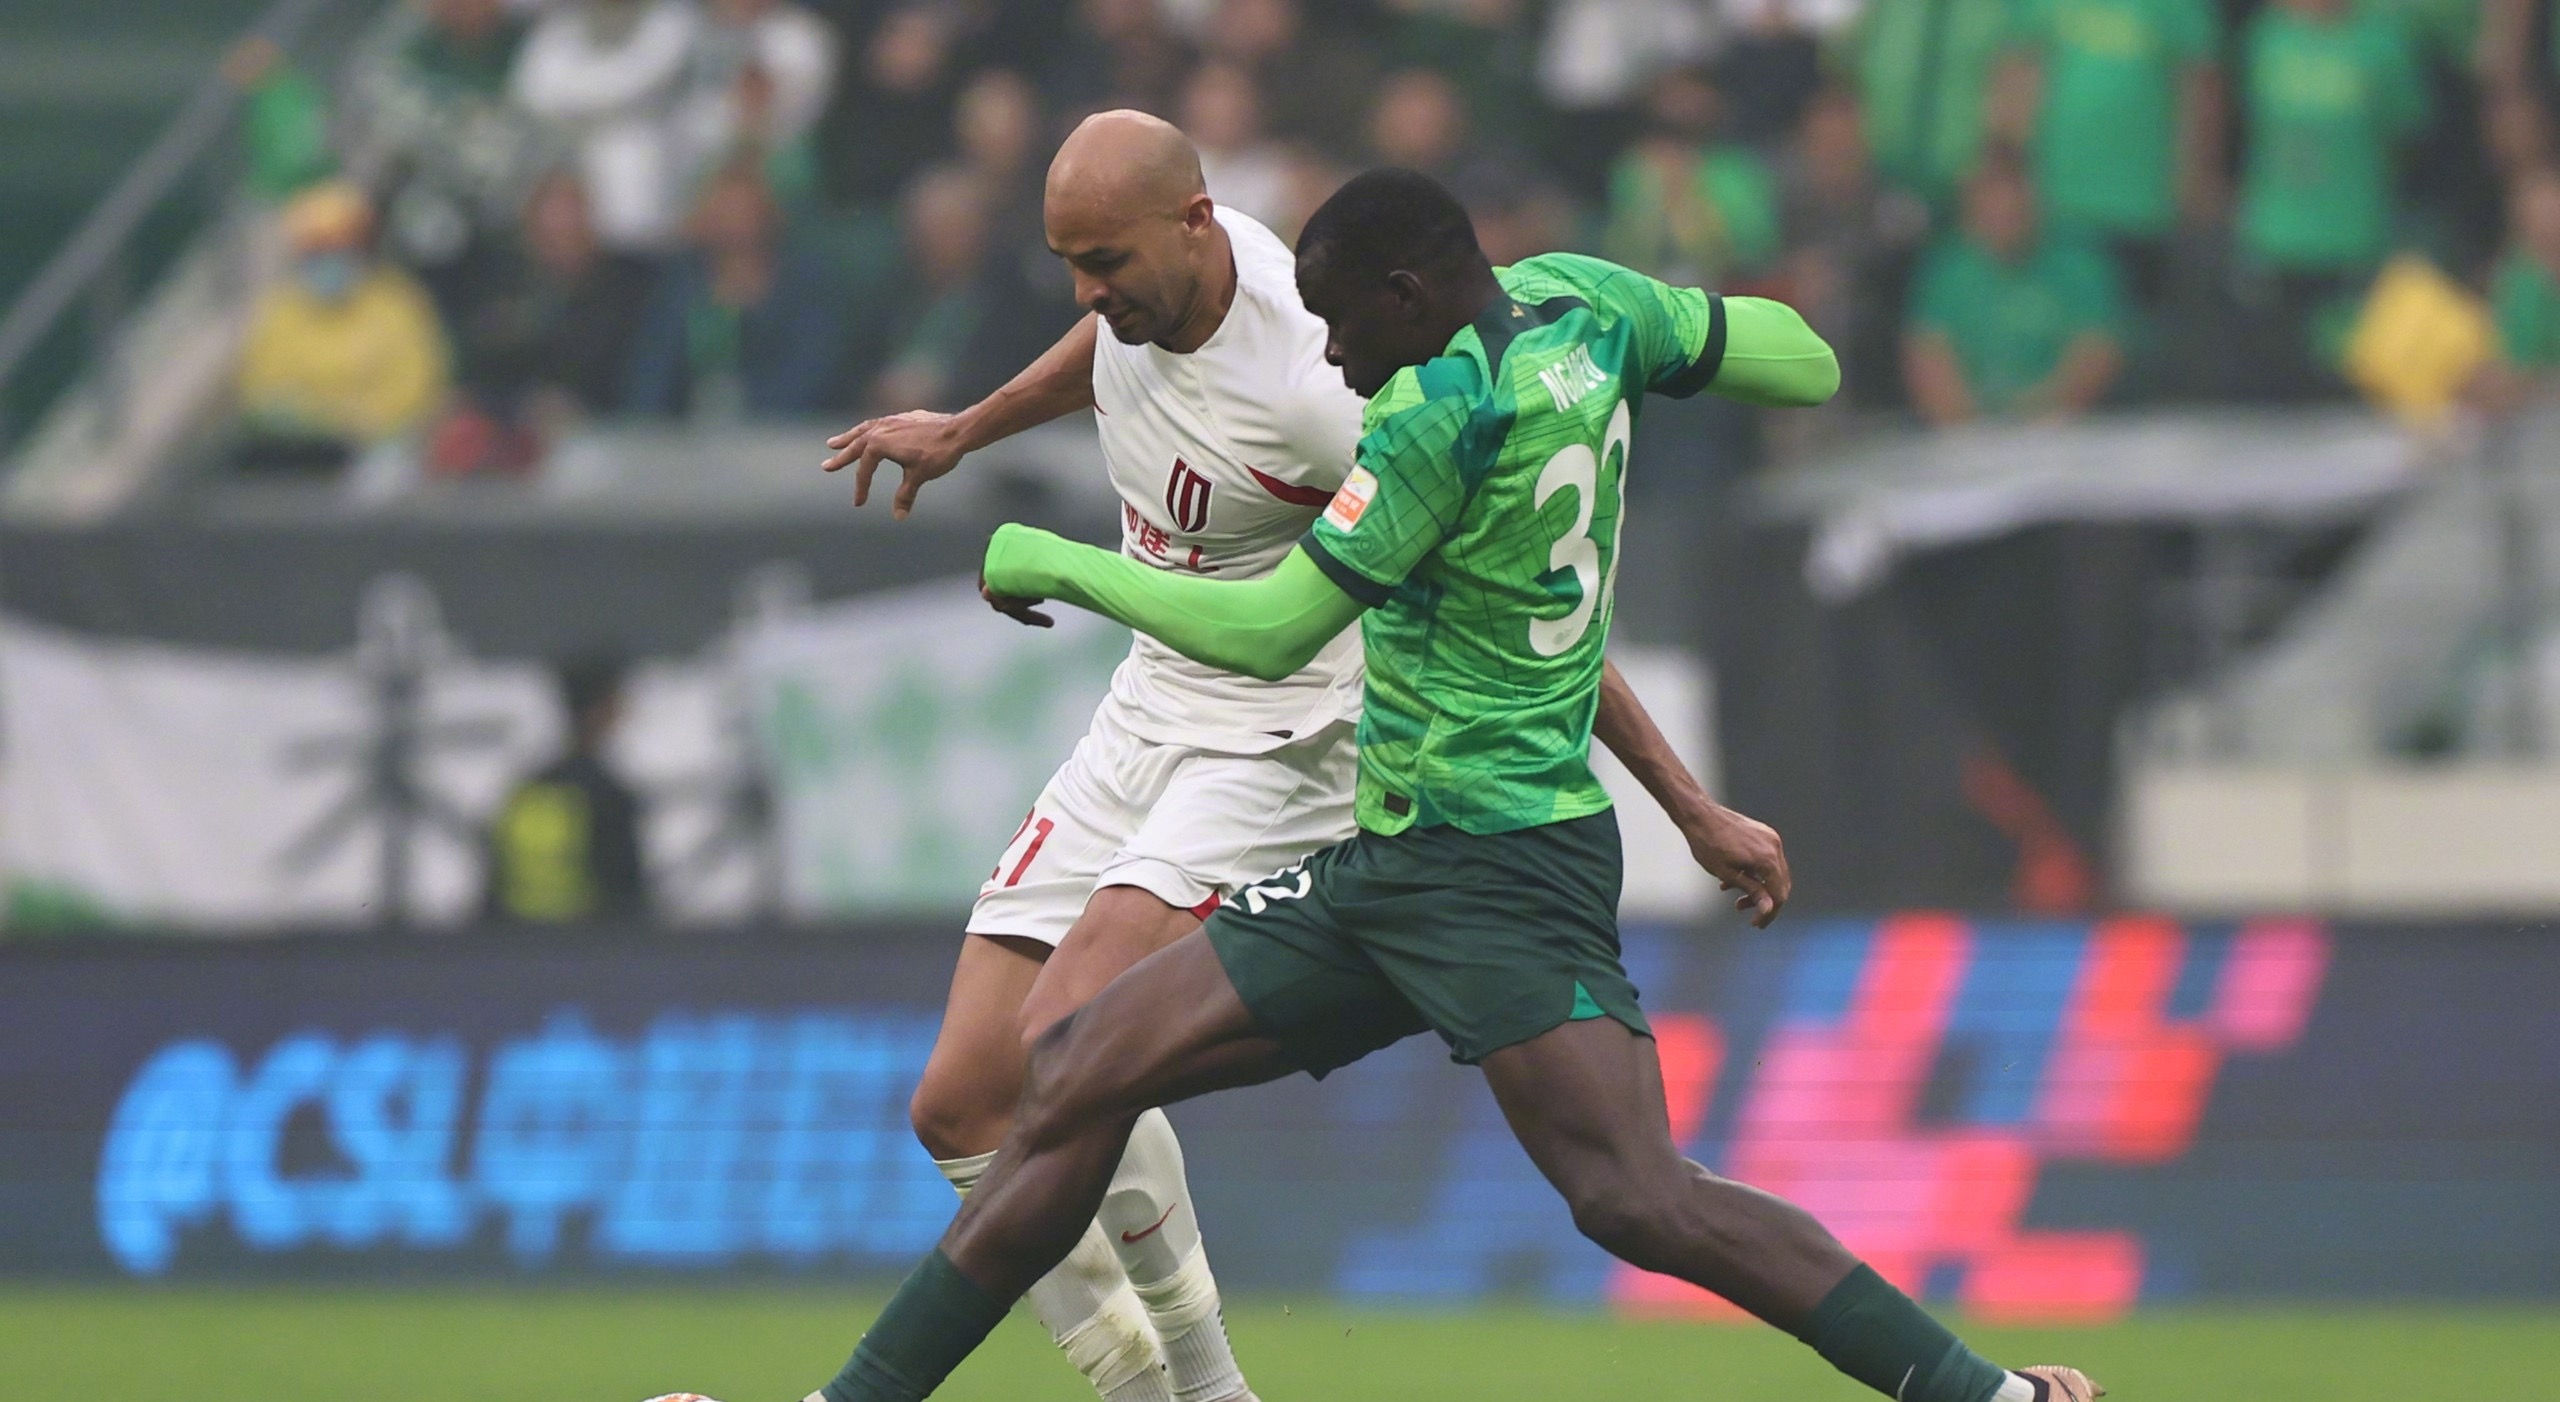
(1128, 160)
(1126, 208)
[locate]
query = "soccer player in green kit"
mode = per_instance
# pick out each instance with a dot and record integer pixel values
(1476, 544)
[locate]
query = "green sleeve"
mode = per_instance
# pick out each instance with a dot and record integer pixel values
(1402, 498)
(1676, 333)
(1679, 331)
(1266, 628)
(1748, 349)
(1685, 340)
(1772, 357)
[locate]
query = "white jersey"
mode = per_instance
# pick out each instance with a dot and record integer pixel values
(1222, 459)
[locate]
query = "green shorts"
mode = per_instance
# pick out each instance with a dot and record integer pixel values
(1488, 941)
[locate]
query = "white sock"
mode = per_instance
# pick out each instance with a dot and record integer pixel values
(2017, 1389)
(1089, 1309)
(1148, 1217)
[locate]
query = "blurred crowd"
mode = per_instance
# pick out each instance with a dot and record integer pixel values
(505, 216)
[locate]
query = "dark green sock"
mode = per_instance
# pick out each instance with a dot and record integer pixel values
(1876, 1334)
(936, 1319)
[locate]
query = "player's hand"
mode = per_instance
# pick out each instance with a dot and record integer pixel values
(923, 444)
(1744, 855)
(1025, 611)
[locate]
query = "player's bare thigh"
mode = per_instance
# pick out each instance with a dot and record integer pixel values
(964, 1102)
(1120, 926)
(1005, 992)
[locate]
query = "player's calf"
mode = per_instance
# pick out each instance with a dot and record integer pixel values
(1092, 1312)
(1585, 1100)
(1742, 1244)
(1147, 1215)
(1069, 1131)
(962, 1108)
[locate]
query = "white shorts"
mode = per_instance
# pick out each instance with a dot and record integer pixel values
(1184, 824)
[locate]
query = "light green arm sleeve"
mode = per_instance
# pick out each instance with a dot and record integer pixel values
(1265, 628)
(1771, 357)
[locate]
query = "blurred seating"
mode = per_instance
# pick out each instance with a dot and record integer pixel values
(743, 321)
(2332, 93)
(541, 345)
(762, 72)
(950, 330)
(2525, 290)
(1684, 204)
(2242, 169)
(608, 74)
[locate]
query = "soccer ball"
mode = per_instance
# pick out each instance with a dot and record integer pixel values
(680, 1397)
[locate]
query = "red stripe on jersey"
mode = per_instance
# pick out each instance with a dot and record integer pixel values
(1205, 907)
(1290, 492)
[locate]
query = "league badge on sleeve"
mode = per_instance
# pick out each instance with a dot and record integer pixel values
(1348, 504)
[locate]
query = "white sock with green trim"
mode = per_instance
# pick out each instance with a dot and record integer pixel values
(1089, 1308)
(1148, 1218)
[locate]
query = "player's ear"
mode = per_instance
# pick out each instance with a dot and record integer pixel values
(1407, 290)
(1199, 214)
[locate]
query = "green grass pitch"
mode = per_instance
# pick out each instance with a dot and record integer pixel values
(771, 1345)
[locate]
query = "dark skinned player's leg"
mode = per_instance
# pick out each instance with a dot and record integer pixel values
(963, 1107)
(1120, 927)
(1585, 1100)
(1134, 1305)
(1147, 1221)
(1170, 1028)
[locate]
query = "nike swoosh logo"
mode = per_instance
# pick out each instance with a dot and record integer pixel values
(1133, 1238)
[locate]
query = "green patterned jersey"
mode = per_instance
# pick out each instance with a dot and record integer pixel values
(1481, 526)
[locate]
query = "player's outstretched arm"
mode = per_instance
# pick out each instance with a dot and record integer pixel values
(1742, 853)
(926, 445)
(1265, 628)
(1772, 357)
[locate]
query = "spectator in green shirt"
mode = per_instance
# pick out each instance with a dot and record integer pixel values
(2524, 296)
(1683, 206)
(2008, 321)
(2126, 109)
(1925, 70)
(2332, 92)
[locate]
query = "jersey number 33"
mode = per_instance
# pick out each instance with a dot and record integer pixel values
(1578, 469)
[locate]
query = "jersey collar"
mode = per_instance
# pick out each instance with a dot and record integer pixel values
(1506, 316)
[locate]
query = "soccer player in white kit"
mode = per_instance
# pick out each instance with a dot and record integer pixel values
(1225, 432)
